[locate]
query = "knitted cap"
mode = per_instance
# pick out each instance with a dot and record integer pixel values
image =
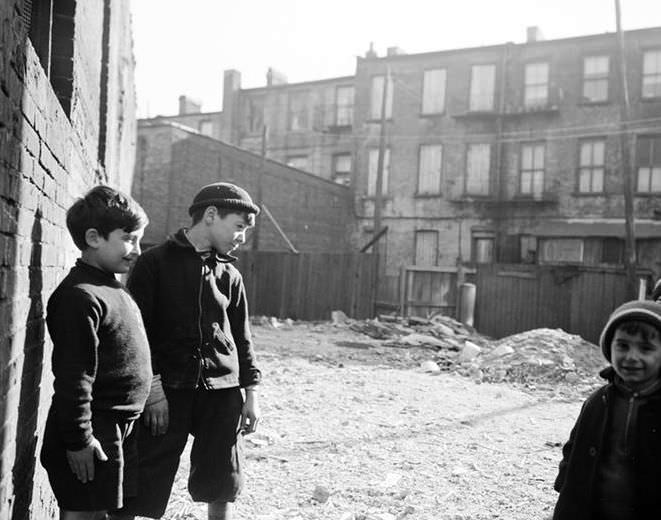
(640, 310)
(223, 195)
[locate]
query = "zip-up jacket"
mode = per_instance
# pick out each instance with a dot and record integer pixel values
(612, 430)
(196, 315)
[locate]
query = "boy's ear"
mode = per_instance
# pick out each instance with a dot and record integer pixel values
(92, 238)
(209, 214)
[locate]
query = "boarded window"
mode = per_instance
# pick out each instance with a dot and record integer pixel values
(532, 170)
(648, 158)
(373, 168)
(595, 78)
(483, 249)
(478, 166)
(426, 248)
(591, 166)
(652, 74)
(429, 169)
(344, 106)
(376, 98)
(561, 250)
(482, 89)
(433, 91)
(536, 84)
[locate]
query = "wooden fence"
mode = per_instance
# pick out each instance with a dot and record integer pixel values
(308, 286)
(577, 299)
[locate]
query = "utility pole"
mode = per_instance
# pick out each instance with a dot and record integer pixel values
(378, 196)
(626, 154)
(260, 189)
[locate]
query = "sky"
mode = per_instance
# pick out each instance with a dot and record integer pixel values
(184, 47)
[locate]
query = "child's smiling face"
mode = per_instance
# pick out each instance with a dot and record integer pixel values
(636, 353)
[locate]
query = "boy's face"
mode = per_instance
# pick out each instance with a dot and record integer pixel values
(636, 358)
(228, 232)
(116, 253)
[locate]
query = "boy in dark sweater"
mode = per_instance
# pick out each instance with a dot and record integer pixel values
(611, 466)
(101, 361)
(194, 305)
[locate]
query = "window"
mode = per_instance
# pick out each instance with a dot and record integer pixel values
(483, 81)
(298, 161)
(429, 169)
(344, 106)
(648, 159)
(478, 166)
(528, 248)
(298, 111)
(652, 74)
(433, 91)
(426, 247)
(51, 30)
(206, 127)
(555, 250)
(532, 170)
(595, 78)
(591, 166)
(372, 171)
(483, 250)
(536, 84)
(342, 168)
(377, 97)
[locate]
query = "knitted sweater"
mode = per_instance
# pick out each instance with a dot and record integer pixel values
(100, 352)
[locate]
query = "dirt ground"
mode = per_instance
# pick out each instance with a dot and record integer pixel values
(354, 430)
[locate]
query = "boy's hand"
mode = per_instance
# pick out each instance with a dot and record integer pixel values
(81, 462)
(157, 417)
(250, 413)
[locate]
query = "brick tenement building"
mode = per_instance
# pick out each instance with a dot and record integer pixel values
(173, 162)
(67, 122)
(501, 153)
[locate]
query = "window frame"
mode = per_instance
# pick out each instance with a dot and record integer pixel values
(376, 97)
(372, 171)
(437, 108)
(535, 145)
(595, 78)
(430, 173)
(656, 74)
(341, 108)
(436, 240)
(536, 102)
(337, 173)
(467, 184)
(591, 167)
(653, 138)
(472, 93)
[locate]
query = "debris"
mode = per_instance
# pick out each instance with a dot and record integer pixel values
(321, 494)
(338, 317)
(469, 352)
(430, 367)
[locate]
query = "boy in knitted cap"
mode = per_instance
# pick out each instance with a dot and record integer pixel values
(611, 465)
(194, 306)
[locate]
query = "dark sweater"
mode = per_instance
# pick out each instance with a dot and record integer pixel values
(100, 352)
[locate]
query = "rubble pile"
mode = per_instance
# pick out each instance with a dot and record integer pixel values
(441, 344)
(537, 356)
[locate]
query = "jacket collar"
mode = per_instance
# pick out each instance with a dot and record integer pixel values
(179, 239)
(609, 374)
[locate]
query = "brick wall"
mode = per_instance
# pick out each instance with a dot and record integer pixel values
(47, 158)
(173, 163)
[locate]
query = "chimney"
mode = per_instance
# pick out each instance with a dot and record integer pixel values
(395, 51)
(371, 53)
(188, 106)
(275, 77)
(534, 34)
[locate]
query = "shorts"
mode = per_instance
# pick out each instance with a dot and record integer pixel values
(213, 417)
(114, 479)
